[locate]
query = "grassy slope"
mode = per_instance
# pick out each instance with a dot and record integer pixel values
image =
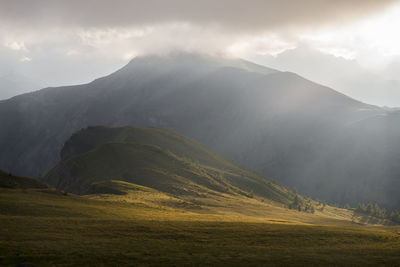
(10, 181)
(91, 137)
(136, 228)
(146, 165)
(176, 165)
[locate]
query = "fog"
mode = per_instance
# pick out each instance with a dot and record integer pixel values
(379, 87)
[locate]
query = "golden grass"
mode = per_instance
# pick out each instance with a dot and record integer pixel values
(147, 227)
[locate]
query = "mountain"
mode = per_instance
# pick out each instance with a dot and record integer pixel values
(157, 158)
(278, 124)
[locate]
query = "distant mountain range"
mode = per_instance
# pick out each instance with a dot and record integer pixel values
(278, 124)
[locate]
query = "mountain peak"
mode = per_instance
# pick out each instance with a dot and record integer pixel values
(193, 62)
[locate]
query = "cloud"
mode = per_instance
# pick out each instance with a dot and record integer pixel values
(233, 15)
(25, 59)
(126, 28)
(16, 46)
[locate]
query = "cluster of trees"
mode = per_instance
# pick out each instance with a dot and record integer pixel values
(378, 212)
(372, 210)
(305, 204)
(300, 204)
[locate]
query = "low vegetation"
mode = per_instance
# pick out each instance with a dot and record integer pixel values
(48, 228)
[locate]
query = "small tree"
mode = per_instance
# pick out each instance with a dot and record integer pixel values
(323, 205)
(296, 204)
(395, 216)
(376, 211)
(370, 209)
(384, 213)
(361, 208)
(251, 194)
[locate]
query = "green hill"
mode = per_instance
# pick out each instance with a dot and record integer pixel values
(156, 158)
(8, 180)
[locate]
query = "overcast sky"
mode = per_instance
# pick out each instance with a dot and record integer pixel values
(350, 45)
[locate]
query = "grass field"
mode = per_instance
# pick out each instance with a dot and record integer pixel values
(146, 227)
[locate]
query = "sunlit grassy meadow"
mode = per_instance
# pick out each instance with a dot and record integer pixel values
(49, 228)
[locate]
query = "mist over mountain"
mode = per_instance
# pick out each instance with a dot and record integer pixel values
(278, 124)
(347, 76)
(12, 83)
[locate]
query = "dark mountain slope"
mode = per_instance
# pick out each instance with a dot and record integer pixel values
(275, 123)
(156, 158)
